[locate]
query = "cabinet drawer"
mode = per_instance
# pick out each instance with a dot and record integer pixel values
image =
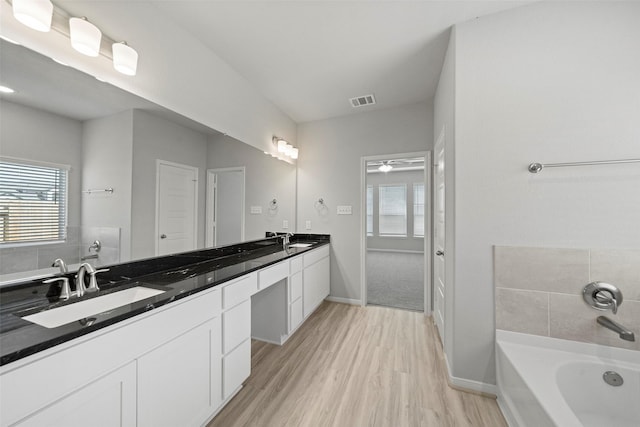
(238, 291)
(295, 314)
(273, 274)
(295, 286)
(315, 255)
(296, 265)
(236, 367)
(236, 326)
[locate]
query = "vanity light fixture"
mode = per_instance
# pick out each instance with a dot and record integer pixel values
(385, 167)
(5, 89)
(35, 14)
(125, 58)
(85, 37)
(285, 148)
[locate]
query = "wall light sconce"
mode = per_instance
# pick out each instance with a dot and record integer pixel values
(85, 37)
(285, 148)
(35, 14)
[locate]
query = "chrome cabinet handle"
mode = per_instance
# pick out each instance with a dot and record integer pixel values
(440, 253)
(163, 236)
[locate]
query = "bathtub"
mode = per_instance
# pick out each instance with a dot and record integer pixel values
(558, 383)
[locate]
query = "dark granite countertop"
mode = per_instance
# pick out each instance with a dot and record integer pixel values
(179, 275)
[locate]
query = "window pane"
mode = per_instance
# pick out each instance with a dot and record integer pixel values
(369, 210)
(418, 210)
(393, 210)
(32, 203)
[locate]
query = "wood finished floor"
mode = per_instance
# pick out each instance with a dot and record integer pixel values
(350, 366)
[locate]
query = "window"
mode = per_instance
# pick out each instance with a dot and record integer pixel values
(392, 210)
(33, 202)
(418, 210)
(369, 210)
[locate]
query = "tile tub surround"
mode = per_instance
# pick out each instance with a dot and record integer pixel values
(539, 291)
(180, 275)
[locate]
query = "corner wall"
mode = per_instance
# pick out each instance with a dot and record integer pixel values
(329, 168)
(548, 82)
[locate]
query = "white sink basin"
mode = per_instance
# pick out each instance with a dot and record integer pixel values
(72, 312)
(300, 245)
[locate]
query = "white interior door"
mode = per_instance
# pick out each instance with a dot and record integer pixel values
(225, 206)
(438, 236)
(176, 207)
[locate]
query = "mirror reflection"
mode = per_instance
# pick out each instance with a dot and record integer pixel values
(93, 173)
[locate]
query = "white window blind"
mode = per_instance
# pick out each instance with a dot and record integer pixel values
(33, 202)
(369, 210)
(418, 210)
(392, 210)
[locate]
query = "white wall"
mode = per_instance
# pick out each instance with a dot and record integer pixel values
(329, 168)
(107, 159)
(175, 69)
(29, 133)
(156, 138)
(266, 178)
(549, 82)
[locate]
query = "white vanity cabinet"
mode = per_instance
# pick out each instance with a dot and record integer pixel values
(173, 386)
(128, 368)
(107, 401)
(236, 332)
(315, 279)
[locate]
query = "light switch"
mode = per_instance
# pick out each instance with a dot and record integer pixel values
(307, 225)
(285, 224)
(344, 210)
(256, 210)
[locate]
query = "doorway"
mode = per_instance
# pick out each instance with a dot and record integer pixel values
(225, 206)
(176, 207)
(439, 236)
(396, 231)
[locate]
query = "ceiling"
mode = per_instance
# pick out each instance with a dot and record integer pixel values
(310, 57)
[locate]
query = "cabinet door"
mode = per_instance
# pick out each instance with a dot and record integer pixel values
(109, 401)
(174, 381)
(316, 280)
(236, 367)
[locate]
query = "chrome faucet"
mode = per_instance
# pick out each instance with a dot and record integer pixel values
(59, 262)
(285, 241)
(87, 268)
(624, 333)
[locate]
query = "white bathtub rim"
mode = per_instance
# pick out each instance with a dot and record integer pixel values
(545, 355)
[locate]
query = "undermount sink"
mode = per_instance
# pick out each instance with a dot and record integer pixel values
(82, 309)
(300, 245)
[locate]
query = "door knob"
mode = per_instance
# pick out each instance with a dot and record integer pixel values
(163, 236)
(440, 253)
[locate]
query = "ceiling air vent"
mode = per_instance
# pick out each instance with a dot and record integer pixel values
(359, 101)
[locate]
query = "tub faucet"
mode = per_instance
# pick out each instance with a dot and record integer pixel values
(59, 262)
(624, 333)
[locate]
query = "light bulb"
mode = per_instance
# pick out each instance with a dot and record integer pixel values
(35, 14)
(85, 37)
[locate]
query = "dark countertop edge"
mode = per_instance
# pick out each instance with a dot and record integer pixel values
(44, 345)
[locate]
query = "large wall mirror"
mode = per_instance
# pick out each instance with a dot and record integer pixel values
(98, 164)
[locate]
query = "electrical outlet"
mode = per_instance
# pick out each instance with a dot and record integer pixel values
(344, 210)
(285, 224)
(256, 210)
(307, 225)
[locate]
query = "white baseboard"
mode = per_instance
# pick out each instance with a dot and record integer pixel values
(470, 385)
(344, 300)
(509, 416)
